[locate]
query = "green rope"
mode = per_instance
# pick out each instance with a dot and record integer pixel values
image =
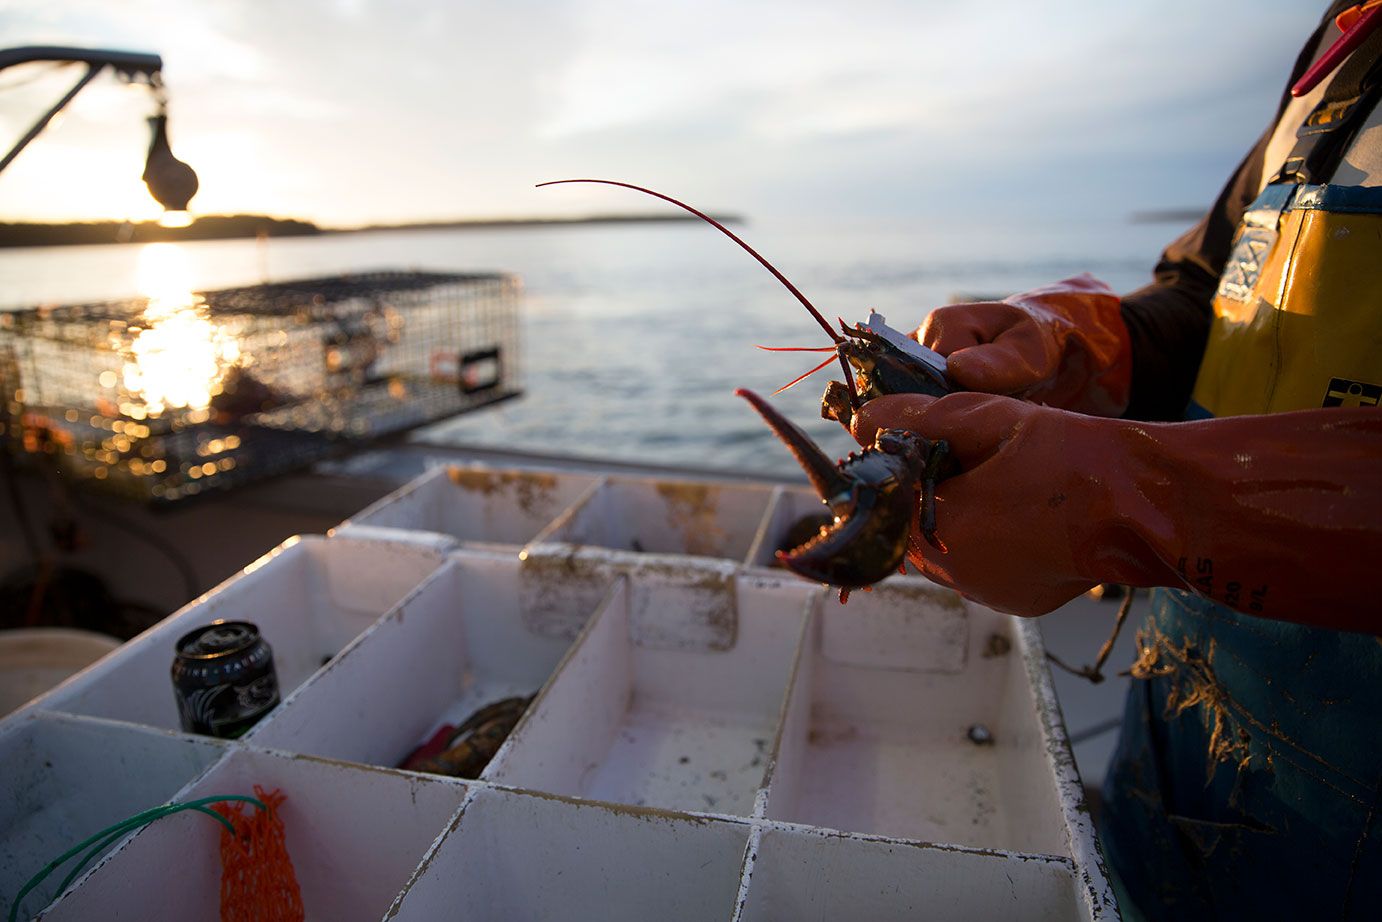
(123, 828)
(99, 842)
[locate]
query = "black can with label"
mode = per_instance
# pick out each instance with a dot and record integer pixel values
(224, 678)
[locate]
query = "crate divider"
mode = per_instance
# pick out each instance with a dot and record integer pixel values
(517, 855)
(691, 518)
(476, 504)
(67, 778)
(666, 725)
(458, 643)
(746, 868)
(677, 601)
(355, 835)
(798, 872)
(430, 540)
(310, 597)
(792, 726)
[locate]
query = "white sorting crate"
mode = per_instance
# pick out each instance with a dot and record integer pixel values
(709, 738)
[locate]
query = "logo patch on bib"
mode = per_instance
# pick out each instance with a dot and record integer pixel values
(1245, 263)
(1345, 393)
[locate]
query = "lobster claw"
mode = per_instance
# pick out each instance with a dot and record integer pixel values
(872, 496)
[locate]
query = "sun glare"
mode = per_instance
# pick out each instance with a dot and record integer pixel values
(178, 358)
(175, 219)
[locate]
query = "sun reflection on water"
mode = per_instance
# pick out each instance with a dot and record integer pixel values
(179, 355)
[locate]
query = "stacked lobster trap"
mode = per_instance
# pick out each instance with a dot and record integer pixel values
(709, 737)
(165, 397)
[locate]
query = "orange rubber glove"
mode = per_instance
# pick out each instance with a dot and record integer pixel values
(1279, 515)
(1064, 345)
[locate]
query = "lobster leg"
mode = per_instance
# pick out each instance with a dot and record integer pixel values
(838, 404)
(939, 465)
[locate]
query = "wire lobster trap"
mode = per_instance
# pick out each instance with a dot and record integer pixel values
(163, 398)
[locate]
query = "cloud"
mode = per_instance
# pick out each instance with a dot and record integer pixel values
(358, 110)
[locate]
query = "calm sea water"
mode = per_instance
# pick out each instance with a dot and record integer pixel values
(635, 336)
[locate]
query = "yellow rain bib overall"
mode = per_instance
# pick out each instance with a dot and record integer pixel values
(1298, 314)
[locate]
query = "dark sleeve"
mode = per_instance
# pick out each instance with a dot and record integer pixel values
(1169, 319)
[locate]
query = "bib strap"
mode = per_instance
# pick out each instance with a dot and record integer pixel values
(1327, 131)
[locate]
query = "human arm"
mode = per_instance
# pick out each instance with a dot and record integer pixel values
(1278, 516)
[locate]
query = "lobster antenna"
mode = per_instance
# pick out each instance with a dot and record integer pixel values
(835, 337)
(797, 380)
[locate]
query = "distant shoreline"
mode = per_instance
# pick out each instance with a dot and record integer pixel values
(236, 227)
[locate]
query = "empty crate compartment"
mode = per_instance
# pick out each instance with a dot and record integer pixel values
(354, 835)
(68, 778)
(310, 598)
(670, 726)
(664, 517)
(519, 857)
(458, 644)
(912, 717)
(478, 504)
(806, 874)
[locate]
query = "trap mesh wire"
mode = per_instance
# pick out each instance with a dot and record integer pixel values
(165, 398)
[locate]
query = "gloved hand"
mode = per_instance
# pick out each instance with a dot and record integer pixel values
(1064, 345)
(1277, 515)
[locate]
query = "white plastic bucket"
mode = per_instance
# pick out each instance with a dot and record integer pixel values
(33, 660)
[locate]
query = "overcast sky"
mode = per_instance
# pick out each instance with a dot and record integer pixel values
(361, 111)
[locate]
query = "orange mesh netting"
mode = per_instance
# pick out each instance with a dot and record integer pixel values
(258, 883)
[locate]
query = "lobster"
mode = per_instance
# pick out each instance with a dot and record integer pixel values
(471, 746)
(872, 495)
